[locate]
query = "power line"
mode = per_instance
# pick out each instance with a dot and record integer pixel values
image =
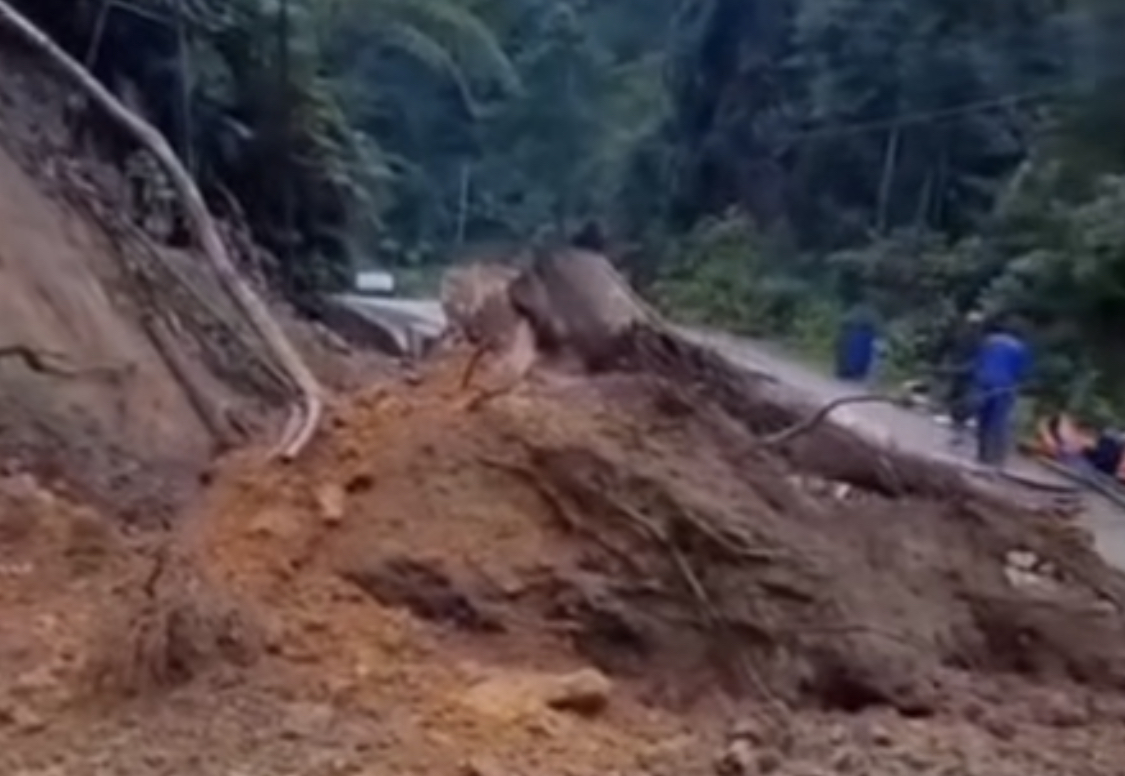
(937, 114)
(923, 117)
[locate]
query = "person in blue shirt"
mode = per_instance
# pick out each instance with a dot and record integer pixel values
(1000, 368)
(856, 343)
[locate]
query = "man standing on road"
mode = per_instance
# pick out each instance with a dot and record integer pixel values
(1000, 369)
(958, 355)
(856, 343)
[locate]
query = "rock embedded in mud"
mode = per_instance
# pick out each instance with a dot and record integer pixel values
(20, 718)
(741, 758)
(524, 697)
(736, 760)
(360, 483)
(847, 760)
(479, 766)
(767, 762)
(999, 726)
(273, 523)
(584, 692)
(1057, 710)
(754, 729)
(877, 735)
(332, 501)
(306, 720)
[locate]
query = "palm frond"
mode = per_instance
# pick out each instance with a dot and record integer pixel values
(469, 41)
(428, 52)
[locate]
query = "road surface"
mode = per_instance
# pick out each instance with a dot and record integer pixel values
(891, 425)
(410, 321)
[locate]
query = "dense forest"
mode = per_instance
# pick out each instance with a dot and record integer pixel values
(757, 164)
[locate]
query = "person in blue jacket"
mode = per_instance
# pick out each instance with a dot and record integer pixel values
(1000, 369)
(856, 343)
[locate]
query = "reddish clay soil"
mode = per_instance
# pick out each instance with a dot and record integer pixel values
(572, 577)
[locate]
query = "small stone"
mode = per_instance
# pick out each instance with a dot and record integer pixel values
(880, 736)
(155, 759)
(332, 501)
(360, 483)
(917, 762)
(21, 718)
(846, 761)
(738, 759)
(480, 766)
(749, 729)
(1022, 560)
(1059, 711)
(584, 692)
(974, 711)
(767, 762)
(272, 524)
(305, 720)
(1000, 727)
(40, 681)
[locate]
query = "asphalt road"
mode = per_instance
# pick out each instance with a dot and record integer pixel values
(891, 425)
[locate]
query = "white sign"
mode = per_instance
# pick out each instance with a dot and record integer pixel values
(375, 282)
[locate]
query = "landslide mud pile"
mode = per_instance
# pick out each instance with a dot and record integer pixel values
(571, 549)
(601, 500)
(605, 518)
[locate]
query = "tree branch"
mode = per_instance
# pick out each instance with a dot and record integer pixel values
(810, 423)
(48, 363)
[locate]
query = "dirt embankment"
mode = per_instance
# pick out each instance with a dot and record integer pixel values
(167, 369)
(56, 296)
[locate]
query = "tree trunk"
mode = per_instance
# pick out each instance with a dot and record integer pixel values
(886, 184)
(306, 414)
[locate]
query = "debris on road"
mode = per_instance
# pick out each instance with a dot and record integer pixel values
(572, 562)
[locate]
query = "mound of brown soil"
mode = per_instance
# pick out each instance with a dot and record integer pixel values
(440, 574)
(659, 541)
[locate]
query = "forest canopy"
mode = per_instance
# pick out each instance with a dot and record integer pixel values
(756, 164)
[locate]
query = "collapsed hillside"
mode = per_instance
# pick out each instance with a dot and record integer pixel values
(152, 369)
(571, 576)
(547, 565)
(664, 543)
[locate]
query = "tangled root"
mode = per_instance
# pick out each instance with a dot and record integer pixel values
(180, 627)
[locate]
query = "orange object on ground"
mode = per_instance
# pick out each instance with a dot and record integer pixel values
(1061, 438)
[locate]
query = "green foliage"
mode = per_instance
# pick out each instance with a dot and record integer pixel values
(1065, 274)
(845, 118)
(769, 162)
(932, 157)
(288, 107)
(724, 273)
(344, 126)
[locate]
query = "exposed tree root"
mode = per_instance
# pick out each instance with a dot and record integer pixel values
(789, 585)
(821, 415)
(176, 628)
(53, 364)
